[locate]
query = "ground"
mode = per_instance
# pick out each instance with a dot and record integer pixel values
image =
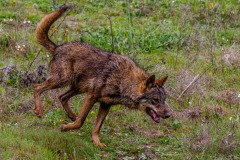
(195, 43)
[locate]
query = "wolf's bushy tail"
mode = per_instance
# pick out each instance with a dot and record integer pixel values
(44, 26)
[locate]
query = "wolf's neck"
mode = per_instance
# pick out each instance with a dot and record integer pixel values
(129, 88)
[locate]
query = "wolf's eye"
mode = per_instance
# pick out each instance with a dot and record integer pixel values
(154, 100)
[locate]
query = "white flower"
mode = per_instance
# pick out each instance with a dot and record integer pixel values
(11, 19)
(239, 95)
(18, 46)
(230, 118)
(29, 21)
(24, 21)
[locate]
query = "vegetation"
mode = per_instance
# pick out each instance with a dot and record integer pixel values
(195, 42)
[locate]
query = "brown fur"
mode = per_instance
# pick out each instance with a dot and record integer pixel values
(106, 77)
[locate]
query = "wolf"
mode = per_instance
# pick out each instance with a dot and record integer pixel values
(106, 78)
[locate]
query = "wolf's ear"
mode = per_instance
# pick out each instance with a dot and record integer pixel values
(149, 83)
(161, 81)
(146, 84)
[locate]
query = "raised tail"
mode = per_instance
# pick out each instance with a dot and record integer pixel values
(44, 26)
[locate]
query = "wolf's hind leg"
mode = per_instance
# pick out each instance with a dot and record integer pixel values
(64, 100)
(52, 82)
(87, 106)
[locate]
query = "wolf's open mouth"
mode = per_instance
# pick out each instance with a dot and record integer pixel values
(153, 114)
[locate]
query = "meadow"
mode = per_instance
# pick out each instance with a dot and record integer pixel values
(195, 42)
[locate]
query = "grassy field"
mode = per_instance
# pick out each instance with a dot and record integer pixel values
(195, 42)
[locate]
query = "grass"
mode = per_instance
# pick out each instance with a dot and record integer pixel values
(179, 38)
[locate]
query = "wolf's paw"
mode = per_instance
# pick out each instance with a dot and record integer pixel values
(62, 129)
(100, 144)
(96, 141)
(38, 113)
(72, 117)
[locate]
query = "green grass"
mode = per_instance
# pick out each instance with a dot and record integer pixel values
(182, 39)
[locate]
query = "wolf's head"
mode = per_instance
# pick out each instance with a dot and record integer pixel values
(152, 98)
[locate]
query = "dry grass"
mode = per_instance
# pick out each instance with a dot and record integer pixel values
(231, 56)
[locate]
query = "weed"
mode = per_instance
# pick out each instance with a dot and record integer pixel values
(15, 78)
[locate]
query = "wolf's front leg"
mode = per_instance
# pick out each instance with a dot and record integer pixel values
(102, 113)
(87, 106)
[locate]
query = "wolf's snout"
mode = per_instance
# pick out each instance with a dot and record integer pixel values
(167, 115)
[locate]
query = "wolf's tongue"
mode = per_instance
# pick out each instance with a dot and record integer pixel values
(155, 116)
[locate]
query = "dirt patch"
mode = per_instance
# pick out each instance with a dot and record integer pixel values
(150, 134)
(189, 83)
(231, 56)
(229, 96)
(193, 113)
(199, 142)
(25, 107)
